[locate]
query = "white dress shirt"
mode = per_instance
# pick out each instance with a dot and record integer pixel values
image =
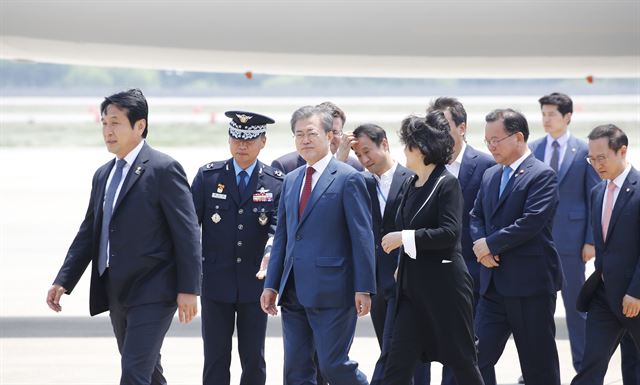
(319, 168)
(384, 186)
(454, 167)
(618, 181)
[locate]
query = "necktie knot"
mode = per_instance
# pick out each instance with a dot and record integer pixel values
(310, 171)
(555, 144)
(306, 191)
(611, 186)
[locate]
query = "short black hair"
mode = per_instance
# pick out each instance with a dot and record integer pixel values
(430, 135)
(134, 102)
(372, 131)
(513, 121)
(617, 137)
(453, 105)
(562, 101)
(336, 111)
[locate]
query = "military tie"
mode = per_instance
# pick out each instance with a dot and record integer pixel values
(555, 156)
(506, 172)
(107, 211)
(242, 183)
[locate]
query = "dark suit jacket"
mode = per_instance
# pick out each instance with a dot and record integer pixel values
(289, 162)
(233, 244)
(330, 249)
(576, 179)
(386, 264)
(154, 243)
(517, 227)
(618, 258)
(474, 164)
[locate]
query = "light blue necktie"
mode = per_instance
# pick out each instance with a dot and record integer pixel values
(107, 210)
(506, 172)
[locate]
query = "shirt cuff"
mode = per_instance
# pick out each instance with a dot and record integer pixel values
(363, 292)
(409, 243)
(271, 289)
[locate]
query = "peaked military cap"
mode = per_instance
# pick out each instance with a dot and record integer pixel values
(247, 125)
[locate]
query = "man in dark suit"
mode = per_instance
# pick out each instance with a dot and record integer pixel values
(339, 146)
(322, 260)
(236, 202)
(141, 234)
(572, 233)
(384, 181)
(612, 294)
(520, 274)
(468, 165)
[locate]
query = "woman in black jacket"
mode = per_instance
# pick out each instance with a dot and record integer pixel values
(434, 316)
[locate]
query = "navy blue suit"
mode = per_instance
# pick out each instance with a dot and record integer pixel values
(154, 254)
(519, 296)
(617, 274)
(289, 162)
(571, 230)
(474, 164)
(235, 230)
(318, 263)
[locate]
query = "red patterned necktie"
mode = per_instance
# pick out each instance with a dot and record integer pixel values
(306, 191)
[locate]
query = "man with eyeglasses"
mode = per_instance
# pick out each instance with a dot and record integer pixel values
(322, 263)
(340, 145)
(511, 225)
(611, 295)
(572, 232)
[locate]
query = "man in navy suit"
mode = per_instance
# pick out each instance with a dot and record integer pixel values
(322, 260)
(236, 202)
(384, 181)
(140, 233)
(468, 165)
(339, 146)
(612, 294)
(520, 275)
(572, 233)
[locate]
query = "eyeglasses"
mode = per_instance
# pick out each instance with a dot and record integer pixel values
(600, 159)
(494, 142)
(311, 135)
(337, 133)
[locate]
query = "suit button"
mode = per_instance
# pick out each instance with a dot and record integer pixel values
(298, 237)
(202, 259)
(238, 260)
(240, 211)
(240, 227)
(239, 243)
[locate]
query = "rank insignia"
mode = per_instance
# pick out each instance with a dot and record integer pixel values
(278, 173)
(215, 218)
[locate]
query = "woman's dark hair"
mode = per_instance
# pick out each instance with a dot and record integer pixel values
(430, 135)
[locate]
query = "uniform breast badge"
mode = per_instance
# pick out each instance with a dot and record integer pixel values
(215, 218)
(263, 219)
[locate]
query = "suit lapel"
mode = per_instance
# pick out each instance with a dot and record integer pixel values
(295, 192)
(229, 179)
(597, 230)
(467, 167)
(569, 155)
(396, 183)
(321, 186)
(133, 175)
(539, 151)
(626, 191)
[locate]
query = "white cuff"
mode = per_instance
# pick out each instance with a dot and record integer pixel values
(409, 243)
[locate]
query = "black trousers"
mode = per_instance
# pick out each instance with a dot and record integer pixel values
(139, 332)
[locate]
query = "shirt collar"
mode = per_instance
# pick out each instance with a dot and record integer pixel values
(320, 165)
(133, 154)
(387, 175)
(461, 154)
(249, 169)
(514, 166)
(619, 180)
(562, 140)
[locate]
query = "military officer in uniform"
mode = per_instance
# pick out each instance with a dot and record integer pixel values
(236, 202)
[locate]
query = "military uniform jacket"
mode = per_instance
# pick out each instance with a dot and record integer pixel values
(234, 229)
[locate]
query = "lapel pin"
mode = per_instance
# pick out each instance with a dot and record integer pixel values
(138, 170)
(573, 149)
(628, 189)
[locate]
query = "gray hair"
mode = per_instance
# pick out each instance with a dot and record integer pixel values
(306, 112)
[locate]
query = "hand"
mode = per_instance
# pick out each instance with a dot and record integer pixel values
(53, 297)
(268, 301)
(391, 241)
(480, 248)
(263, 267)
(490, 261)
(630, 306)
(588, 252)
(187, 307)
(346, 141)
(363, 303)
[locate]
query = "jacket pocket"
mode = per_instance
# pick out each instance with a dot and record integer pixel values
(329, 261)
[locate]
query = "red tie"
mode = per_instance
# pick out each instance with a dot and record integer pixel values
(608, 209)
(306, 191)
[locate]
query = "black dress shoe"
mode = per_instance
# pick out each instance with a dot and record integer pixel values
(520, 380)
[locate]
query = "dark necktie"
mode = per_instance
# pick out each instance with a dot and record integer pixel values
(306, 191)
(242, 183)
(555, 155)
(107, 211)
(505, 178)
